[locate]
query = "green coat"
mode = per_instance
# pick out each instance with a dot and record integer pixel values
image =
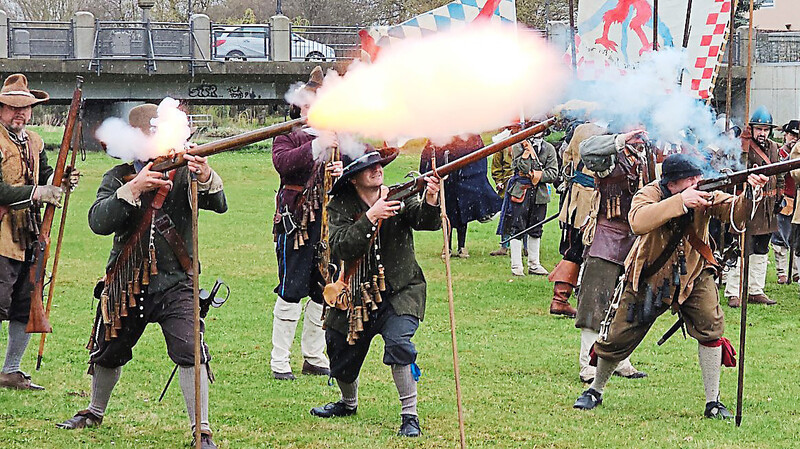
(350, 235)
(545, 161)
(111, 213)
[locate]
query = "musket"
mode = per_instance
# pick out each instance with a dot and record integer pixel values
(740, 177)
(59, 241)
(169, 162)
(399, 192)
(38, 321)
(323, 249)
(525, 231)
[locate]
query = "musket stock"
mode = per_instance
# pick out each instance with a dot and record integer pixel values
(416, 185)
(166, 163)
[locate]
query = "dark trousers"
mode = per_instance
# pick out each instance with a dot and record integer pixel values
(298, 275)
(525, 214)
(572, 247)
(173, 309)
(396, 330)
(15, 290)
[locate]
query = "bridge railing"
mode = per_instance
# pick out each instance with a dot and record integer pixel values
(153, 40)
(38, 39)
(324, 43)
(780, 47)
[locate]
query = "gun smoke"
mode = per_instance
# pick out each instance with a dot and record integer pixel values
(468, 80)
(650, 95)
(168, 131)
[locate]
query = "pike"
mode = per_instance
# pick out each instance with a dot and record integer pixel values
(38, 321)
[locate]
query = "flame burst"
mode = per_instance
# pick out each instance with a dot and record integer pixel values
(468, 80)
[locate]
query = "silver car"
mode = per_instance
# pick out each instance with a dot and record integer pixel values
(251, 42)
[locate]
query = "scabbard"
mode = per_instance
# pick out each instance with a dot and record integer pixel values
(671, 331)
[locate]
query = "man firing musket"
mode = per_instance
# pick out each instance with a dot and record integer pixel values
(148, 276)
(24, 187)
(672, 267)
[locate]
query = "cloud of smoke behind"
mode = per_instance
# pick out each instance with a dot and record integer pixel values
(170, 131)
(650, 95)
(462, 81)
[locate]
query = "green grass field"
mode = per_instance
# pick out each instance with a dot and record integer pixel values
(518, 363)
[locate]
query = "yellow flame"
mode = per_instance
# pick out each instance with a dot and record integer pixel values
(467, 80)
(171, 127)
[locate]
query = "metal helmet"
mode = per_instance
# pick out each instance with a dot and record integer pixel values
(761, 116)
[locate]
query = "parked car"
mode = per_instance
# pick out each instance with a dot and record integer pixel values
(251, 42)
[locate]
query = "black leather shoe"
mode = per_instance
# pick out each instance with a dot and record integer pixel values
(717, 410)
(283, 376)
(82, 419)
(588, 400)
(314, 370)
(331, 409)
(410, 426)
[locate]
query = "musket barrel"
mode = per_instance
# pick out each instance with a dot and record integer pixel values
(403, 191)
(740, 176)
(166, 163)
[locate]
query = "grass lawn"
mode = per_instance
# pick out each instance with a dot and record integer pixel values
(518, 363)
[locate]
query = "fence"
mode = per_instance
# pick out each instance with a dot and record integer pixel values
(38, 39)
(777, 48)
(324, 43)
(152, 40)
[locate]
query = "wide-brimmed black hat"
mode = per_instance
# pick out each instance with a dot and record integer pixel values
(792, 127)
(355, 166)
(679, 166)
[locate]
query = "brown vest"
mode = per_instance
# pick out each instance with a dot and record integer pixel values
(13, 168)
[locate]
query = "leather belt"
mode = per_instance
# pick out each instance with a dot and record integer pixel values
(166, 228)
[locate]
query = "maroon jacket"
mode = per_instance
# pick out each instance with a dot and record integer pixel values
(291, 156)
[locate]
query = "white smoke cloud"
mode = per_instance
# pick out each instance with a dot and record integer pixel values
(456, 82)
(650, 95)
(169, 131)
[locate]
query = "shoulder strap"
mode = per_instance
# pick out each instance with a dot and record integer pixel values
(679, 228)
(701, 247)
(761, 154)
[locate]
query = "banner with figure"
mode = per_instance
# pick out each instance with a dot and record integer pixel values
(619, 33)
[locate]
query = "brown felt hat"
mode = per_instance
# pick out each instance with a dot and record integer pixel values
(140, 117)
(15, 92)
(315, 80)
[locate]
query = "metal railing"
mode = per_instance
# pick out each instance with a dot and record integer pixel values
(27, 38)
(777, 48)
(324, 43)
(241, 42)
(733, 51)
(156, 40)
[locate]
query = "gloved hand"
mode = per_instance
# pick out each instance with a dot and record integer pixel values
(48, 194)
(71, 178)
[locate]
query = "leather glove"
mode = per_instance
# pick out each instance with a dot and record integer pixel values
(48, 194)
(71, 177)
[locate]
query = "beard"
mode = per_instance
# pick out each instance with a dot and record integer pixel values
(762, 141)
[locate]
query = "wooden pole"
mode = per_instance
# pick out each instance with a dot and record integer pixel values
(744, 297)
(655, 25)
(749, 64)
(196, 297)
(450, 302)
(51, 290)
(572, 36)
(687, 24)
(729, 90)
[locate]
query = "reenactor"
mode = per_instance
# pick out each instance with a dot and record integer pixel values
(672, 267)
(757, 150)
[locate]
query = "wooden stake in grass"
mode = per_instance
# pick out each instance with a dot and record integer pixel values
(196, 298)
(449, 273)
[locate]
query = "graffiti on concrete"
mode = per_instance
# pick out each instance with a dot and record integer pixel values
(238, 93)
(203, 90)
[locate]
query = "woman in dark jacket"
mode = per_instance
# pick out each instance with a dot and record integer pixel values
(468, 194)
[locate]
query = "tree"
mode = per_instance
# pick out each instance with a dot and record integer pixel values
(742, 15)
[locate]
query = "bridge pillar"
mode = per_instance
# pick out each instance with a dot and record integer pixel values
(3, 34)
(201, 30)
(83, 37)
(280, 39)
(558, 34)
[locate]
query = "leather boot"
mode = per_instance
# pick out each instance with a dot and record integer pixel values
(734, 302)
(565, 278)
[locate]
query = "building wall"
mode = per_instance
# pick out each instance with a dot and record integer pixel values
(778, 16)
(777, 87)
